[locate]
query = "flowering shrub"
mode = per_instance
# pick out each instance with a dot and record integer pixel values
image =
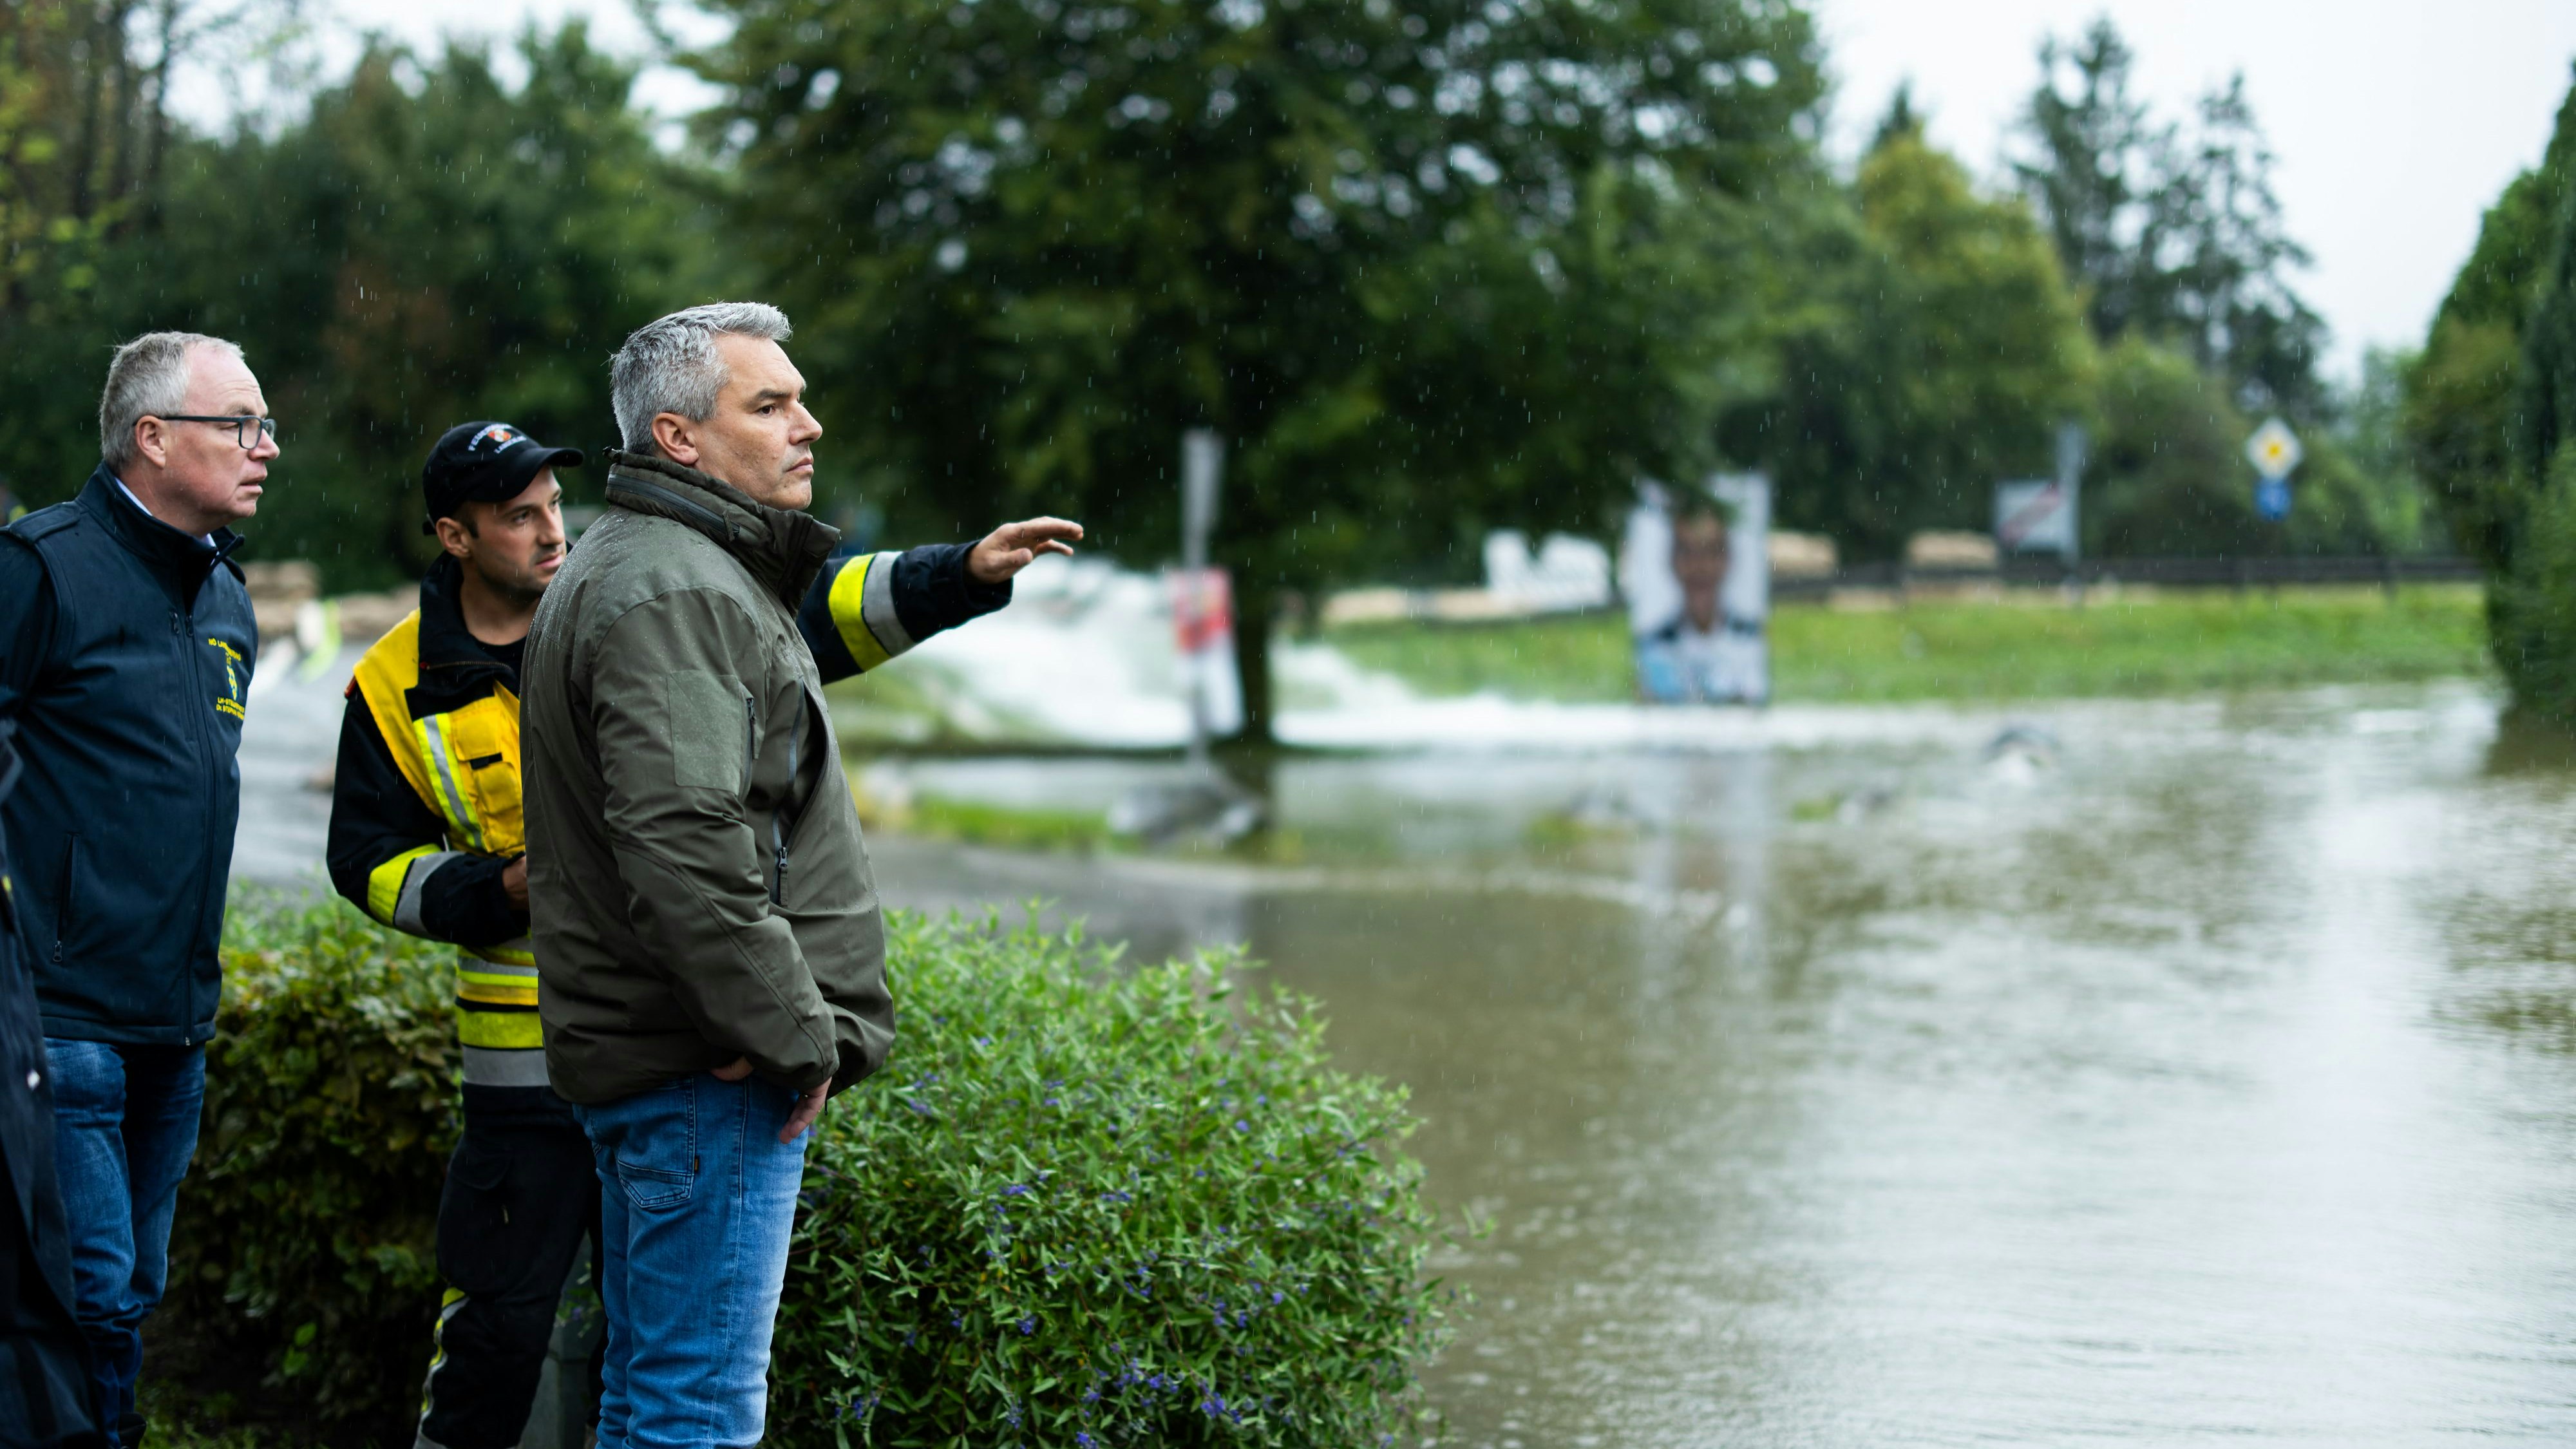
(305, 1227)
(1086, 1206)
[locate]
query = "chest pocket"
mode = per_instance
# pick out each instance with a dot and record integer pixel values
(473, 757)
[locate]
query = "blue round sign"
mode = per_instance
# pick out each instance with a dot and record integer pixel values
(2272, 499)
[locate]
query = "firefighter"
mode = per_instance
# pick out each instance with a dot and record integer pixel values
(426, 838)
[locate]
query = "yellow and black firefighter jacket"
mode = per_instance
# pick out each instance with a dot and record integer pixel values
(425, 802)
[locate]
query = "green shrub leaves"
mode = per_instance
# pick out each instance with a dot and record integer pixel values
(306, 1223)
(1084, 1205)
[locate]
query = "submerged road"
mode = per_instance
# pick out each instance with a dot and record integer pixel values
(2180, 1070)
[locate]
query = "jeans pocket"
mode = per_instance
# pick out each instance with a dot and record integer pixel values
(657, 1147)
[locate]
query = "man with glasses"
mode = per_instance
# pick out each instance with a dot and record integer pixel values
(126, 667)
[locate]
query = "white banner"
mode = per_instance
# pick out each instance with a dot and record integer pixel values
(2034, 517)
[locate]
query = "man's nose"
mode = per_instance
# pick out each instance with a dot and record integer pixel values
(807, 428)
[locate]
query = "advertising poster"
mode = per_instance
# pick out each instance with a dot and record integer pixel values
(1695, 567)
(1203, 633)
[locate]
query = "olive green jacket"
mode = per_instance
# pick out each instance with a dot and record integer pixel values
(698, 888)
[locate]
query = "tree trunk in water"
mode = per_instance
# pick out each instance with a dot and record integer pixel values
(1254, 609)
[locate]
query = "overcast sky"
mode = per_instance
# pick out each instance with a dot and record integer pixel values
(2395, 121)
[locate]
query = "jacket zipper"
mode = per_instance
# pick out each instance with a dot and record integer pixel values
(213, 748)
(783, 819)
(63, 893)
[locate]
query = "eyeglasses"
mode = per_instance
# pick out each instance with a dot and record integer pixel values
(247, 428)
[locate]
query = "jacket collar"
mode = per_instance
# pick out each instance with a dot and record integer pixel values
(185, 559)
(784, 548)
(455, 668)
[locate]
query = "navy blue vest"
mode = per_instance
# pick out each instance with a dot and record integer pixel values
(121, 829)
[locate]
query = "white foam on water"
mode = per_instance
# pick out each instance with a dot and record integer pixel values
(1085, 656)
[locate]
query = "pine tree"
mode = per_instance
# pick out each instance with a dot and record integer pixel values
(2177, 239)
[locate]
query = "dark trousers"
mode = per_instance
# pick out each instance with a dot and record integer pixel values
(125, 1123)
(47, 1394)
(521, 1191)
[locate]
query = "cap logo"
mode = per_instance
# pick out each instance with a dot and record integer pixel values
(499, 435)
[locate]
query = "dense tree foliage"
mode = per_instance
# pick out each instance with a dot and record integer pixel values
(2460, 393)
(2490, 413)
(429, 245)
(1415, 261)
(1929, 346)
(1431, 268)
(2168, 477)
(2175, 237)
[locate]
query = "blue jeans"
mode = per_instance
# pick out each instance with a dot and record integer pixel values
(697, 1196)
(125, 1124)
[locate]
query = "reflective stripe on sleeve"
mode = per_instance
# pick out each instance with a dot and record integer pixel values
(385, 882)
(863, 610)
(407, 905)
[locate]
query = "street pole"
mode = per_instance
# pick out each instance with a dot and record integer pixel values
(1202, 468)
(2070, 479)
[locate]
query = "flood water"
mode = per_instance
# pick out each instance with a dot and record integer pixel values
(2186, 1071)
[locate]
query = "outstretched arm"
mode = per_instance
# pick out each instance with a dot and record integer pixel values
(865, 609)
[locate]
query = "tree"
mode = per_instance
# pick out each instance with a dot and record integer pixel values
(445, 248)
(2372, 429)
(2533, 610)
(1417, 262)
(2098, 177)
(427, 245)
(2177, 239)
(2232, 304)
(85, 136)
(1930, 348)
(1901, 121)
(2167, 476)
(2490, 413)
(2460, 391)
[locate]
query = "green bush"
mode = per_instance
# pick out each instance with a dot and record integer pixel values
(2532, 609)
(1089, 1207)
(306, 1225)
(1085, 1204)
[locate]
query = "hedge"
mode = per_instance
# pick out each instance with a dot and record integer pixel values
(1087, 1203)
(306, 1226)
(1088, 1207)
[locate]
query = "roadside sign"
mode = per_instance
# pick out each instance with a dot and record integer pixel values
(2274, 450)
(2037, 516)
(2272, 499)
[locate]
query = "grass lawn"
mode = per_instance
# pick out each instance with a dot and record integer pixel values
(2213, 639)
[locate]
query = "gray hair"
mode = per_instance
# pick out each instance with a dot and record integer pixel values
(148, 377)
(671, 365)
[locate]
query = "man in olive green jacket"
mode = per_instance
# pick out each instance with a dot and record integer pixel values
(711, 960)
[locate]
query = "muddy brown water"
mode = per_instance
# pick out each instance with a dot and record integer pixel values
(2184, 1071)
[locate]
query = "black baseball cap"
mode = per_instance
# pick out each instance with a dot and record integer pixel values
(484, 462)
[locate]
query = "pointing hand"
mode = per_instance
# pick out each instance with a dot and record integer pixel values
(1014, 546)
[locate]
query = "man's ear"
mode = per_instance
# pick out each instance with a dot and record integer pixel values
(152, 440)
(454, 537)
(675, 438)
